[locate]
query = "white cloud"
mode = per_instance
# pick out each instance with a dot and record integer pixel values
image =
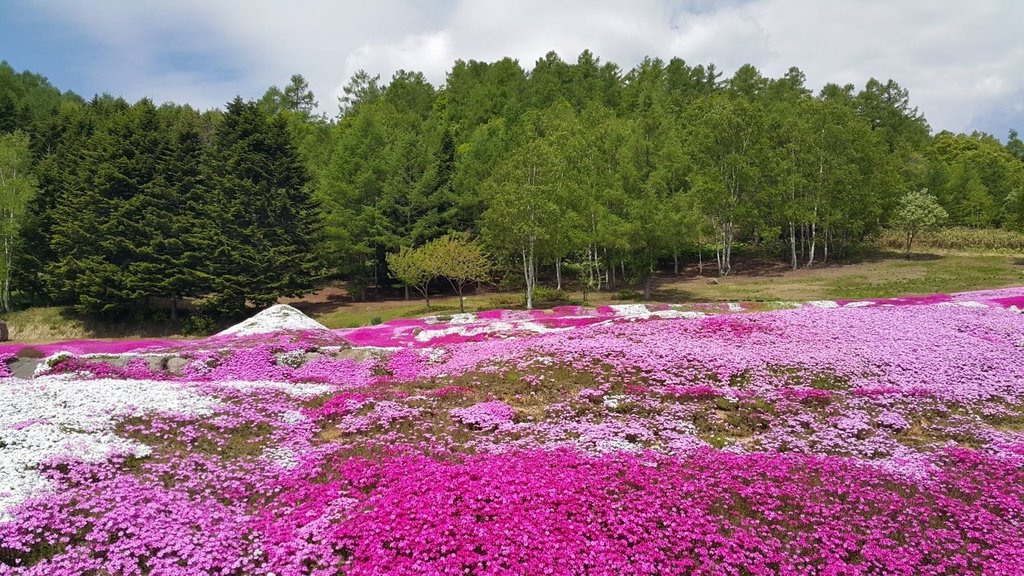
(963, 63)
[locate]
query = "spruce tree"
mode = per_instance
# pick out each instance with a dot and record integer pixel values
(269, 225)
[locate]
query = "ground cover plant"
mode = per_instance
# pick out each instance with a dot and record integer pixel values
(879, 436)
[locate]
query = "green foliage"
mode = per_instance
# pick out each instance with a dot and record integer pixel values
(454, 257)
(917, 212)
(628, 295)
(959, 238)
(198, 324)
(414, 267)
(573, 164)
(17, 187)
(551, 296)
(184, 208)
(267, 243)
(461, 261)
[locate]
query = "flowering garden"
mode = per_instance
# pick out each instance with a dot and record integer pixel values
(839, 438)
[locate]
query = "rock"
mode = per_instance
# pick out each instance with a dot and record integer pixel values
(156, 363)
(176, 365)
(23, 368)
(712, 280)
(356, 354)
(278, 318)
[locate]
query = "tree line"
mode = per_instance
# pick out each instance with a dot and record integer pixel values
(576, 166)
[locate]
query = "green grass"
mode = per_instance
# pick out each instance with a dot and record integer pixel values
(54, 323)
(939, 275)
(876, 275)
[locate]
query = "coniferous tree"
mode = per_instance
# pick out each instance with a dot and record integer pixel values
(270, 225)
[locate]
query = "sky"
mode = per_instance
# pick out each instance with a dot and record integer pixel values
(962, 62)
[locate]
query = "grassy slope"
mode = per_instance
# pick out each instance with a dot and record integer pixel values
(879, 275)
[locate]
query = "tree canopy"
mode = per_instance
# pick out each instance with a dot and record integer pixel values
(618, 173)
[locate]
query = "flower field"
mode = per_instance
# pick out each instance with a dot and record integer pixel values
(838, 438)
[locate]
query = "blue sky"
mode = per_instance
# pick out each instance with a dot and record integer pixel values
(962, 62)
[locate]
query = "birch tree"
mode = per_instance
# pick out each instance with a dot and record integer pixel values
(17, 185)
(729, 149)
(523, 216)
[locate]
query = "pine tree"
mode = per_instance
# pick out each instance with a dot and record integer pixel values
(268, 244)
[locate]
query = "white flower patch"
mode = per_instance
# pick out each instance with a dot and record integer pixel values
(630, 309)
(462, 318)
(823, 304)
(615, 445)
(489, 328)
(278, 318)
(55, 415)
(971, 304)
(859, 304)
(297, 389)
(612, 402)
(294, 417)
(49, 362)
(642, 312)
(281, 456)
(734, 307)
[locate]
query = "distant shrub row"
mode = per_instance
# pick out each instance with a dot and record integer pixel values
(958, 238)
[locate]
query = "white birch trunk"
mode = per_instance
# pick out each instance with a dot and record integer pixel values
(792, 245)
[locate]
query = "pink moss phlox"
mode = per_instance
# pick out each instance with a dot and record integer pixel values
(914, 300)
(485, 415)
(696, 392)
(5, 360)
(711, 513)
(808, 395)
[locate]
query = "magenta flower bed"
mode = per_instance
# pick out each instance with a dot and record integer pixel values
(877, 437)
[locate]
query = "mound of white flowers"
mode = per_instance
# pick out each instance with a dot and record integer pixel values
(277, 318)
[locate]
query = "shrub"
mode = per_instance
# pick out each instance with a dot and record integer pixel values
(375, 320)
(29, 352)
(198, 325)
(550, 295)
(628, 295)
(958, 238)
(505, 301)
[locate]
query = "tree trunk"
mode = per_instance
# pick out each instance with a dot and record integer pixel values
(5, 289)
(814, 238)
(725, 260)
(727, 252)
(558, 273)
(174, 308)
(590, 266)
(792, 245)
(406, 292)
(675, 261)
(529, 272)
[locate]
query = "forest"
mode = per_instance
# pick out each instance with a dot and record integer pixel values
(573, 172)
